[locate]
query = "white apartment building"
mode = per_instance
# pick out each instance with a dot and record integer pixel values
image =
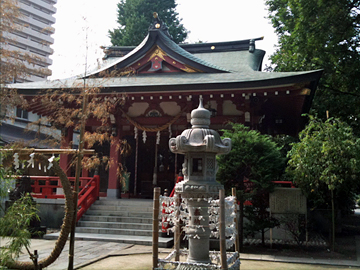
(33, 38)
(34, 35)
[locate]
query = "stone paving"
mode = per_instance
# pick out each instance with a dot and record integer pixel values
(86, 252)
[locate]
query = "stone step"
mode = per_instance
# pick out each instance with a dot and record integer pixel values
(125, 202)
(118, 213)
(125, 208)
(164, 242)
(123, 221)
(115, 225)
(116, 219)
(92, 230)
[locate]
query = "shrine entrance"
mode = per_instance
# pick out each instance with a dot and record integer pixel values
(102, 150)
(141, 181)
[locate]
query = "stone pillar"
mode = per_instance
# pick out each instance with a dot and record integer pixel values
(198, 236)
(113, 181)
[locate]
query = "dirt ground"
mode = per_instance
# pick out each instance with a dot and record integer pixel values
(345, 250)
(143, 262)
(345, 247)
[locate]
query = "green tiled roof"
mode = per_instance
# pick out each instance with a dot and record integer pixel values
(226, 65)
(180, 81)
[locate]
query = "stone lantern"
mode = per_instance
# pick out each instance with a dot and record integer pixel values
(200, 145)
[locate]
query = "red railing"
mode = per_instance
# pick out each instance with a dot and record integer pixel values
(88, 195)
(291, 184)
(46, 186)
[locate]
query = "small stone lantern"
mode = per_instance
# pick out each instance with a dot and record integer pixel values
(200, 145)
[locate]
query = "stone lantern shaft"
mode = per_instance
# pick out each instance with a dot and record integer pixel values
(200, 145)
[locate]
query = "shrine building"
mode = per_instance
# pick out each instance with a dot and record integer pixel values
(168, 80)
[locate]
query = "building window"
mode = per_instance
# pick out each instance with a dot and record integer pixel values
(20, 113)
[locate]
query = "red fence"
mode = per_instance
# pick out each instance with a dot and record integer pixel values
(46, 186)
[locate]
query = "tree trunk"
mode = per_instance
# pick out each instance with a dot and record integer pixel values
(333, 221)
(76, 185)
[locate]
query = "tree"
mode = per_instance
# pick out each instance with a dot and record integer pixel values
(24, 211)
(13, 65)
(254, 158)
(134, 17)
(257, 214)
(325, 164)
(15, 226)
(75, 108)
(64, 109)
(317, 34)
(72, 108)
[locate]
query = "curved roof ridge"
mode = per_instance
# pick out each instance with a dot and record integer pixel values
(114, 63)
(158, 35)
(177, 49)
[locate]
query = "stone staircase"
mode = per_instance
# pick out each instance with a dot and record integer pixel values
(122, 221)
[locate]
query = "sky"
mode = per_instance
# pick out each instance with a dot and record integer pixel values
(82, 27)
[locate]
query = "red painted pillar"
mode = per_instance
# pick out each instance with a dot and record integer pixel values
(113, 181)
(84, 172)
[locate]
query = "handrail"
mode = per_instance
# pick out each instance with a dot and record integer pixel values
(45, 186)
(89, 190)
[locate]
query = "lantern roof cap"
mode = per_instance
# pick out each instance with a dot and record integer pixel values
(200, 138)
(200, 117)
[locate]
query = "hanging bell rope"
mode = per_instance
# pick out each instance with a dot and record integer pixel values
(161, 128)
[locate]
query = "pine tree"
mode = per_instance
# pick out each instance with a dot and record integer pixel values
(135, 16)
(251, 166)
